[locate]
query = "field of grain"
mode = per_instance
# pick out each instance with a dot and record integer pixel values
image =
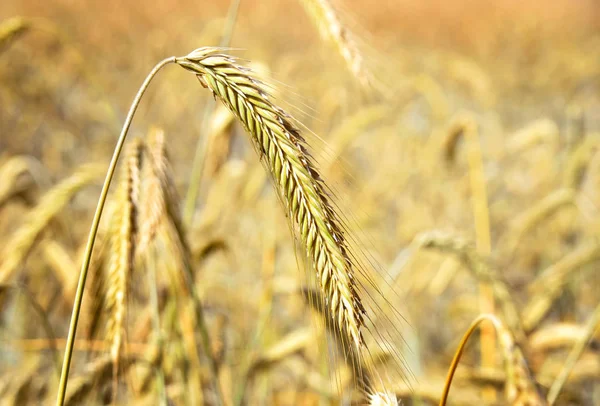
(315, 202)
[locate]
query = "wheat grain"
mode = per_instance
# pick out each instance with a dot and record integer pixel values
(280, 145)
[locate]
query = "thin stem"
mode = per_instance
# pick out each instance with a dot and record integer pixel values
(62, 388)
(203, 143)
(460, 350)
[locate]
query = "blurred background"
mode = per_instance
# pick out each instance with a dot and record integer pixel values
(484, 126)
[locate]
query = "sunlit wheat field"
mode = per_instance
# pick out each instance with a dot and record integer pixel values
(300, 202)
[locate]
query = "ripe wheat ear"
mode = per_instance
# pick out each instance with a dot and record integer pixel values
(282, 148)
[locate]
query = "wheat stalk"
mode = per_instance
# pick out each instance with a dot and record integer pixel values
(280, 145)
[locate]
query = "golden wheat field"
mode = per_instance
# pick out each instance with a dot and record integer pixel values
(300, 202)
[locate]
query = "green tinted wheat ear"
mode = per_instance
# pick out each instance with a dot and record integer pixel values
(282, 148)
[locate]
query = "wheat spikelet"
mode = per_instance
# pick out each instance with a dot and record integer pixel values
(331, 29)
(280, 145)
(17, 248)
(122, 248)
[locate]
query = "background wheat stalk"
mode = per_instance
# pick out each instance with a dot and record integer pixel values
(280, 145)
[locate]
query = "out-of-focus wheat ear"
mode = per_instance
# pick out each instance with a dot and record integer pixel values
(153, 206)
(326, 19)
(548, 286)
(170, 228)
(21, 242)
(11, 173)
(95, 302)
(479, 268)
(12, 28)
(123, 232)
(590, 327)
(530, 218)
(283, 150)
(578, 161)
(98, 373)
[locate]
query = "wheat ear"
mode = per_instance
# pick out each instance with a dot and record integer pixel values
(12, 28)
(17, 248)
(282, 148)
(479, 268)
(331, 29)
(122, 250)
(153, 208)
